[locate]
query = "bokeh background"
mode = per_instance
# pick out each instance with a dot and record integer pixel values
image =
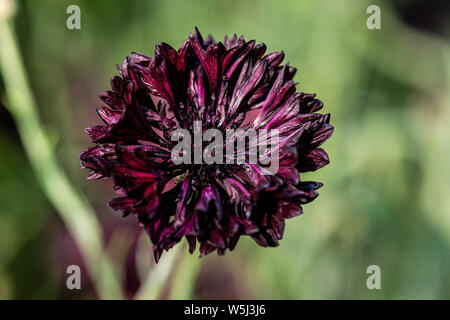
(386, 194)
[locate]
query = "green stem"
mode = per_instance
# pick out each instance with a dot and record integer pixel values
(73, 208)
(187, 272)
(159, 274)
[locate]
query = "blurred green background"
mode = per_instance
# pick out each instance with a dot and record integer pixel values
(386, 194)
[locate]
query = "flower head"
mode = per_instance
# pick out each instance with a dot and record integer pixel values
(225, 86)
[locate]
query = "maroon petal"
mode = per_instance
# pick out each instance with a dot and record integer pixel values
(291, 210)
(109, 116)
(248, 79)
(274, 59)
(234, 58)
(316, 159)
(279, 93)
(123, 204)
(112, 99)
(182, 207)
(206, 249)
(95, 132)
(210, 202)
(211, 60)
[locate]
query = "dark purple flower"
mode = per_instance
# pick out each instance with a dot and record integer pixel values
(226, 85)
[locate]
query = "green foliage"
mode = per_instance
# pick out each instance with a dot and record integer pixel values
(385, 196)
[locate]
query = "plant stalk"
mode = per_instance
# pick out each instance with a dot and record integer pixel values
(74, 210)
